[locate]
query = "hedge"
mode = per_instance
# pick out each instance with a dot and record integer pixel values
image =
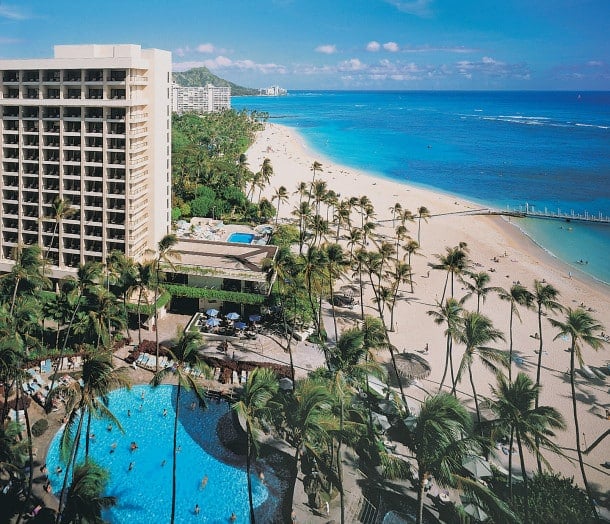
(39, 427)
(179, 290)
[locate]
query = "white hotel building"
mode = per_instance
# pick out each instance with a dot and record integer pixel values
(91, 125)
(208, 99)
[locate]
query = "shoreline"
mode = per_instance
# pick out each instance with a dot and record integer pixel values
(497, 247)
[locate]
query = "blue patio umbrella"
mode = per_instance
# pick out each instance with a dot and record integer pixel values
(254, 318)
(212, 322)
(212, 312)
(240, 325)
(233, 316)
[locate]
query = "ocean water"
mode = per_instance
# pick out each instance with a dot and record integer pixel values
(503, 149)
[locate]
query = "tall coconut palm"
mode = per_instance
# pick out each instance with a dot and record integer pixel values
(399, 274)
(61, 210)
(307, 421)
(448, 313)
(143, 282)
(422, 213)
(85, 500)
(185, 355)
(476, 284)
(513, 405)
(545, 298)
(454, 262)
(125, 274)
(342, 217)
(165, 254)
(315, 167)
(26, 275)
(281, 195)
(411, 248)
(254, 406)
(88, 276)
(336, 265)
(517, 295)
(582, 328)
(475, 332)
(84, 399)
(303, 212)
(442, 439)
(396, 210)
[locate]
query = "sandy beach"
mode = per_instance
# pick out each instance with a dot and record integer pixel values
(496, 246)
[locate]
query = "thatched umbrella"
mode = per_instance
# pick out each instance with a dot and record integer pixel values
(411, 366)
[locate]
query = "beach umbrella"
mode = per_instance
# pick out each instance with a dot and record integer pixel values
(286, 384)
(254, 318)
(240, 325)
(233, 316)
(212, 312)
(478, 466)
(476, 512)
(212, 322)
(411, 366)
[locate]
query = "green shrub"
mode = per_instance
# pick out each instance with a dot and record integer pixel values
(39, 427)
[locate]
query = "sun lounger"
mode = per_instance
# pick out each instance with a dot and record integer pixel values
(162, 362)
(141, 358)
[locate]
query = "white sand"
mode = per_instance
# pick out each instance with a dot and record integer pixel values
(487, 237)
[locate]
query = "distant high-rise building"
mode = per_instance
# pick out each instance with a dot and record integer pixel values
(91, 125)
(208, 99)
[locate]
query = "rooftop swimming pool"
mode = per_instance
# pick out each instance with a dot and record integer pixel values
(241, 238)
(144, 492)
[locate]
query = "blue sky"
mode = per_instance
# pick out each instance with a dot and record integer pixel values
(340, 44)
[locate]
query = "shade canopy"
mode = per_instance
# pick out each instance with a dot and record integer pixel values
(232, 316)
(212, 312)
(254, 318)
(478, 466)
(240, 325)
(411, 366)
(212, 322)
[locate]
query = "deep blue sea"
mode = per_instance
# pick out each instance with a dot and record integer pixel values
(547, 149)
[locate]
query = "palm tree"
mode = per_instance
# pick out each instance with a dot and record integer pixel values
(260, 388)
(85, 500)
(336, 264)
(26, 275)
(533, 426)
(478, 286)
(61, 210)
(185, 355)
(165, 255)
(411, 248)
(306, 420)
(545, 297)
(303, 213)
(143, 282)
(448, 314)
(516, 295)
(281, 195)
(315, 167)
(475, 332)
(399, 274)
(442, 439)
(87, 398)
(124, 271)
(422, 212)
(454, 262)
(581, 327)
(88, 276)
(396, 210)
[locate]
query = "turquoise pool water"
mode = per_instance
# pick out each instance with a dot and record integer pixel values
(144, 494)
(241, 238)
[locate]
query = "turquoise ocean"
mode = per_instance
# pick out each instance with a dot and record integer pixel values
(550, 150)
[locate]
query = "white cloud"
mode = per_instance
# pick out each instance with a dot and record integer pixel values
(353, 64)
(225, 63)
(327, 49)
(391, 46)
(420, 8)
(12, 12)
(206, 48)
(373, 46)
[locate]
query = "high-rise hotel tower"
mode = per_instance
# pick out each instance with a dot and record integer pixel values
(91, 126)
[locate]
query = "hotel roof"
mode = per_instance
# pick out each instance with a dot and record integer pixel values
(223, 259)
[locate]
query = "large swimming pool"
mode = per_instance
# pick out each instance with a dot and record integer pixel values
(241, 238)
(144, 493)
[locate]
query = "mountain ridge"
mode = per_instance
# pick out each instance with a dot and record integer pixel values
(200, 76)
